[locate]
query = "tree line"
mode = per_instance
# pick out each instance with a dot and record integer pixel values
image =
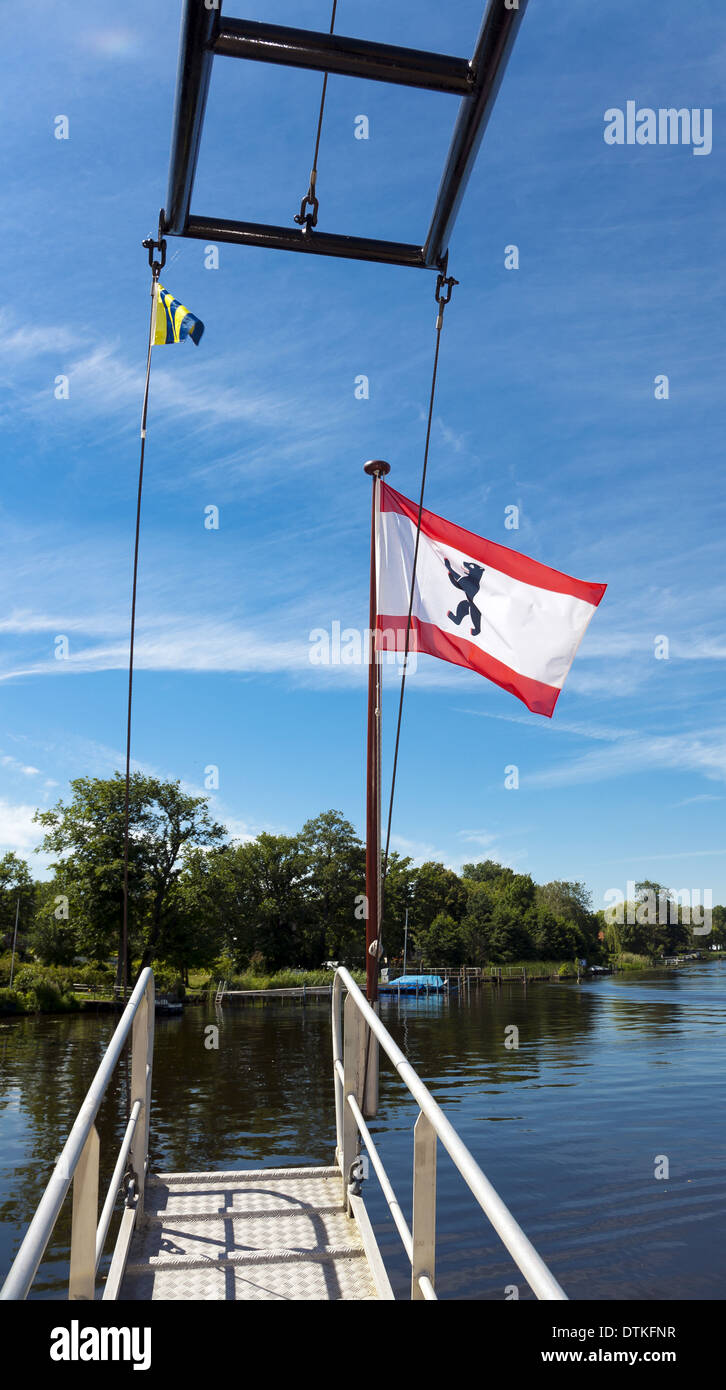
(195, 897)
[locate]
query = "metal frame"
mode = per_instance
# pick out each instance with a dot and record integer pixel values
(79, 1162)
(206, 34)
(349, 1045)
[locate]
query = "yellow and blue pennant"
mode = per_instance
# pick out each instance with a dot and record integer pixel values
(173, 320)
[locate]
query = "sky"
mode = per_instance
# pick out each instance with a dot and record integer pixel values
(547, 402)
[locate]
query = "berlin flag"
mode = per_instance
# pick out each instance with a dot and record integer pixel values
(478, 604)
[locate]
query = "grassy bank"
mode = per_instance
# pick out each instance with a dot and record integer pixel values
(40, 989)
(281, 979)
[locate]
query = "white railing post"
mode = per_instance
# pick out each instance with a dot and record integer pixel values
(354, 1046)
(424, 1204)
(82, 1282)
(337, 1029)
(370, 1099)
(142, 1052)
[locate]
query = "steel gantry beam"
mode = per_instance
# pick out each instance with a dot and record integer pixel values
(206, 34)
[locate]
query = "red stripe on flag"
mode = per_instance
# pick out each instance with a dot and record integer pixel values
(510, 562)
(429, 639)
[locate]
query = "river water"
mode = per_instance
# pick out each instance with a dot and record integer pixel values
(613, 1081)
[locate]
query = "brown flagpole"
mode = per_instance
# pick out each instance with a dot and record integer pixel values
(377, 470)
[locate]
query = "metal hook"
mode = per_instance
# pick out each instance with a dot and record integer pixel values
(449, 282)
(160, 243)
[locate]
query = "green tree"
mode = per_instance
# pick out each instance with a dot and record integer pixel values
(571, 905)
(397, 896)
(17, 894)
(514, 920)
(436, 889)
(487, 871)
(53, 935)
(334, 878)
(718, 928)
(265, 904)
(195, 917)
(477, 921)
(443, 942)
(87, 834)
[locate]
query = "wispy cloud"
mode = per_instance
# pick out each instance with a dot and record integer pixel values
(15, 766)
(703, 752)
(693, 800)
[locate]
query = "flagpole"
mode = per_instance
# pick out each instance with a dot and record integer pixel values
(377, 469)
(156, 268)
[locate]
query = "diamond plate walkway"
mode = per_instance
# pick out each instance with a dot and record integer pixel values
(267, 1234)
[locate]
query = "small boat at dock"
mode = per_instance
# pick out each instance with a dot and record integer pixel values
(415, 984)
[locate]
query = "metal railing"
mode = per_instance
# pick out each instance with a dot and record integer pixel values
(79, 1164)
(351, 1027)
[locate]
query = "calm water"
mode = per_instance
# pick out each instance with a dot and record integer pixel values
(608, 1076)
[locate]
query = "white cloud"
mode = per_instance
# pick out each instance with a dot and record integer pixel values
(703, 752)
(17, 831)
(16, 766)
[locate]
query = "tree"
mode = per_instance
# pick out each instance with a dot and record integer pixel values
(555, 938)
(265, 903)
(397, 895)
(570, 904)
(487, 871)
(718, 928)
(513, 920)
(477, 921)
(335, 877)
(17, 894)
(87, 834)
(443, 942)
(53, 935)
(436, 889)
(195, 917)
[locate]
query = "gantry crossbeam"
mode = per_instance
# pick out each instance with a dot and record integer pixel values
(206, 34)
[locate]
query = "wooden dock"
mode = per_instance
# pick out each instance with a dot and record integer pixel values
(299, 992)
(275, 1233)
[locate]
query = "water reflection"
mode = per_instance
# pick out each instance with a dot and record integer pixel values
(607, 1076)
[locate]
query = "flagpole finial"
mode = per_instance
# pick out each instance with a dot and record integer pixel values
(378, 468)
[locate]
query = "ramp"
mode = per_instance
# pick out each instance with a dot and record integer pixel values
(278, 1233)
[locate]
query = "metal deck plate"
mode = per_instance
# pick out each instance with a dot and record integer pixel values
(265, 1234)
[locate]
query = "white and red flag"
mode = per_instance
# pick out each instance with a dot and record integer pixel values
(478, 604)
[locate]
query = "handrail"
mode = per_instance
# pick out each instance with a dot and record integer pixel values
(532, 1266)
(82, 1144)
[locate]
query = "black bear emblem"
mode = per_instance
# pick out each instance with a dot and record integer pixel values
(469, 582)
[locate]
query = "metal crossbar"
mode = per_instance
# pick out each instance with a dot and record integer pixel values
(351, 1028)
(79, 1164)
(206, 34)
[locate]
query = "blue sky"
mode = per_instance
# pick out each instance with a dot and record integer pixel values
(546, 401)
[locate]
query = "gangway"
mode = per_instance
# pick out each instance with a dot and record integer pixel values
(251, 1234)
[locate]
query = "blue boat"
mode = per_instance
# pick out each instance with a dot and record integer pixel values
(415, 984)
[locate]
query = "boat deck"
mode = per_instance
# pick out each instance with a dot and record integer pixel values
(278, 1233)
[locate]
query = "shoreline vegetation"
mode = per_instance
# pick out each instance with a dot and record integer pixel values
(269, 912)
(50, 993)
